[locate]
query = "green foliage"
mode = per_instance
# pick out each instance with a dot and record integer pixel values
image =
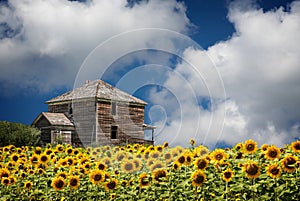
(18, 134)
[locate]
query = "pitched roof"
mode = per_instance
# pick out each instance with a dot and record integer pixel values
(98, 89)
(55, 119)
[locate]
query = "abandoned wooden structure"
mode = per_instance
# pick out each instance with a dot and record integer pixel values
(95, 113)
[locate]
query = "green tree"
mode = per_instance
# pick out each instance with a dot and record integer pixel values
(18, 134)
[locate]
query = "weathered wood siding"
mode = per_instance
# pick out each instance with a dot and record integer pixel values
(129, 119)
(84, 116)
(60, 108)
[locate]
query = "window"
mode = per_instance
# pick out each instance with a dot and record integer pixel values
(113, 132)
(113, 108)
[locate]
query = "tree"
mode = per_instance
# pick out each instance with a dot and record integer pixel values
(18, 134)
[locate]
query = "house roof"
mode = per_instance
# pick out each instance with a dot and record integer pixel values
(55, 119)
(98, 89)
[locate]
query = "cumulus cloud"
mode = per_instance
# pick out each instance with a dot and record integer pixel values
(43, 43)
(259, 67)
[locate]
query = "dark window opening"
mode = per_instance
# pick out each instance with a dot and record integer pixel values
(113, 108)
(70, 110)
(113, 132)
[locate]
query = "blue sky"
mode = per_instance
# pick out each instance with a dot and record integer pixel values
(248, 87)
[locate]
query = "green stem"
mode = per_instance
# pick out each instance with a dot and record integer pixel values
(226, 191)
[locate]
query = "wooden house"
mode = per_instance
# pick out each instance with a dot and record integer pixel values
(95, 113)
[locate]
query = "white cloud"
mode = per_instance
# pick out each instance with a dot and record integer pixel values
(260, 68)
(52, 38)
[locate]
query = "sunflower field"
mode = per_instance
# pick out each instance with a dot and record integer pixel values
(140, 172)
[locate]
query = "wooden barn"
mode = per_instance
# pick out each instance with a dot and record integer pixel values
(95, 113)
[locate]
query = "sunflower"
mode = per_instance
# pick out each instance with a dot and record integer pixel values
(273, 171)
(97, 176)
(120, 155)
(272, 153)
(58, 183)
(159, 148)
(296, 146)
(166, 144)
(218, 155)
(144, 180)
(44, 158)
(34, 160)
(238, 146)
(192, 142)
(154, 154)
(22, 175)
(113, 196)
(289, 163)
(5, 181)
(62, 174)
(252, 170)
(168, 157)
(117, 173)
(156, 165)
(12, 179)
(123, 183)
(15, 157)
(4, 172)
(74, 182)
(176, 165)
(188, 158)
(101, 166)
(38, 150)
(250, 147)
(201, 151)
(227, 175)
(150, 162)
(264, 147)
(40, 171)
(111, 184)
(127, 166)
(198, 178)
(137, 164)
(48, 152)
(181, 159)
(201, 163)
(70, 161)
(69, 151)
(59, 148)
(159, 174)
(28, 184)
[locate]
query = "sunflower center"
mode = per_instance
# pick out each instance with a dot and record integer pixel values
(297, 146)
(111, 185)
(274, 171)
(201, 164)
(252, 169)
(188, 159)
(101, 167)
(250, 147)
(144, 181)
(6, 181)
(227, 175)
(28, 185)
(97, 177)
(289, 162)
(167, 156)
(44, 158)
(181, 159)
(273, 153)
(73, 182)
(199, 179)
(59, 184)
(219, 157)
(15, 158)
(128, 166)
